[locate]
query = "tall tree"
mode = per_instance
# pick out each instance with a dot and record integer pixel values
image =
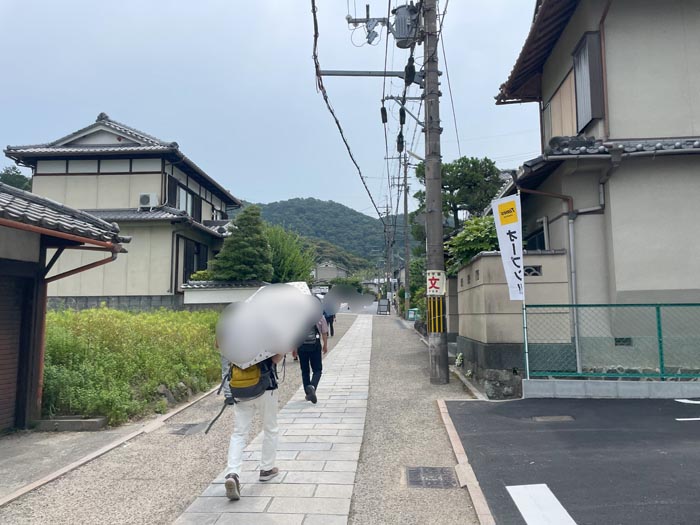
(246, 254)
(468, 185)
(291, 261)
(12, 176)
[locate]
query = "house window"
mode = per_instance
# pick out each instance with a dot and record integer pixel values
(559, 114)
(536, 241)
(588, 72)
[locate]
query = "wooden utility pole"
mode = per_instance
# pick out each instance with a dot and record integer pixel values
(437, 342)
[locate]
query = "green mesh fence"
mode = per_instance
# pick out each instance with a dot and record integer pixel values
(650, 340)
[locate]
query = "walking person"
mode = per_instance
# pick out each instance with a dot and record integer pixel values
(330, 319)
(310, 353)
(252, 390)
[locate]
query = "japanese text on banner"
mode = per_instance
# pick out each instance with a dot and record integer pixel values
(508, 221)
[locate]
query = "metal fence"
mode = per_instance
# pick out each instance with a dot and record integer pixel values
(613, 340)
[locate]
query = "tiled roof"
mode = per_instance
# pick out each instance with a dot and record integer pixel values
(210, 285)
(82, 150)
(161, 213)
(533, 172)
(576, 146)
(147, 144)
(24, 207)
(549, 21)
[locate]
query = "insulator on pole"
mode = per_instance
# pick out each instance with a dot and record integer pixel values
(384, 116)
(402, 116)
(399, 143)
(409, 72)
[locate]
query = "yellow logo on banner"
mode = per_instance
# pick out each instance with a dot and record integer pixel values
(507, 213)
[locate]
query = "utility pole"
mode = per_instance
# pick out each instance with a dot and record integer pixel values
(435, 264)
(407, 247)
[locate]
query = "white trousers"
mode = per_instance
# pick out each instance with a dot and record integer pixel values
(244, 412)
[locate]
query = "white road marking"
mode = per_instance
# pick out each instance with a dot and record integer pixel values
(539, 506)
(688, 401)
(688, 419)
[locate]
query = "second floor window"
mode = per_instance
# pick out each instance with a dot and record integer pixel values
(588, 72)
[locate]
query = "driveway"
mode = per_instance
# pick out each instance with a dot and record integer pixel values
(584, 461)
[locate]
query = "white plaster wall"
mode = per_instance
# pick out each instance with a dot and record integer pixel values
(653, 68)
(145, 270)
(82, 166)
(51, 166)
(145, 165)
(19, 245)
(218, 296)
(654, 217)
(114, 166)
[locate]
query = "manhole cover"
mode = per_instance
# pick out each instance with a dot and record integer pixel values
(186, 429)
(550, 419)
(431, 477)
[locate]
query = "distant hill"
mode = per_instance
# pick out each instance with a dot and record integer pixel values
(354, 232)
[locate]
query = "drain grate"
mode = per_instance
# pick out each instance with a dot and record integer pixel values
(186, 429)
(550, 419)
(431, 477)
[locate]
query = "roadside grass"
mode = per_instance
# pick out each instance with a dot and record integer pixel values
(110, 363)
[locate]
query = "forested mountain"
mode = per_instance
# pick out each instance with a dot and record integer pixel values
(330, 225)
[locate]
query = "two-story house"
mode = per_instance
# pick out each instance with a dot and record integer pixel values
(171, 208)
(609, 207)
(616, 82)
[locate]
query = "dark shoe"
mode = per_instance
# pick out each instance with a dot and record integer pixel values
(229, 400)
(267, 475)
(233, 487)
(310, 393)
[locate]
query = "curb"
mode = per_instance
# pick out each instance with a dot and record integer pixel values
(472, 388)
(146, 429)
(465, 473)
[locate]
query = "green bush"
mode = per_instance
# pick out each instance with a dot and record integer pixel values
(109, 362)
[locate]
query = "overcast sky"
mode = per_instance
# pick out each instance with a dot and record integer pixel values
(233, 83)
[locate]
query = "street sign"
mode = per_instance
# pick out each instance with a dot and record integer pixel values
(435, 283)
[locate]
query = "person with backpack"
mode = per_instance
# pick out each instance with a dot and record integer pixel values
(310, 352)
(252, 390)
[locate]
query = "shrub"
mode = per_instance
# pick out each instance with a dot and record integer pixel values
(109, 362)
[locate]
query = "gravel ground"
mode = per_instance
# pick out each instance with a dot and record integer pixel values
(152, 478)
(404, 429)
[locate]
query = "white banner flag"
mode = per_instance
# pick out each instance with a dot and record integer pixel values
(506, 214)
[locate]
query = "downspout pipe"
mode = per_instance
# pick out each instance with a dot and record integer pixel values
(572, 259)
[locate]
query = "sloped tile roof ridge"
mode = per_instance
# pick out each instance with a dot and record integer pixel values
(563, 146)
(104, 119)
(193, 285)
(133, 131)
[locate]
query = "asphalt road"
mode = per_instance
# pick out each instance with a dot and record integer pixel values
(605, 461)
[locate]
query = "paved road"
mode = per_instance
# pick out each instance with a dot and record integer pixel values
(404, 429)
(615, 462)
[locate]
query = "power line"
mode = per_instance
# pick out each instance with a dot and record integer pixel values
(449, 88)
(320, 87)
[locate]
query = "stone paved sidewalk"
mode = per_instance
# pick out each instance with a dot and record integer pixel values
(318, 451)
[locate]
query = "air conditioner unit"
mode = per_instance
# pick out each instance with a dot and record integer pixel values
(148, 200)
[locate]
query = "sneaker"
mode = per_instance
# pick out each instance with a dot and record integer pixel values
(229, 400)
(233, 487)
(267, 475)
(310, 393)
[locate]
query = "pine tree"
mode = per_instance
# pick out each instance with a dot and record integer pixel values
(246, 254)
